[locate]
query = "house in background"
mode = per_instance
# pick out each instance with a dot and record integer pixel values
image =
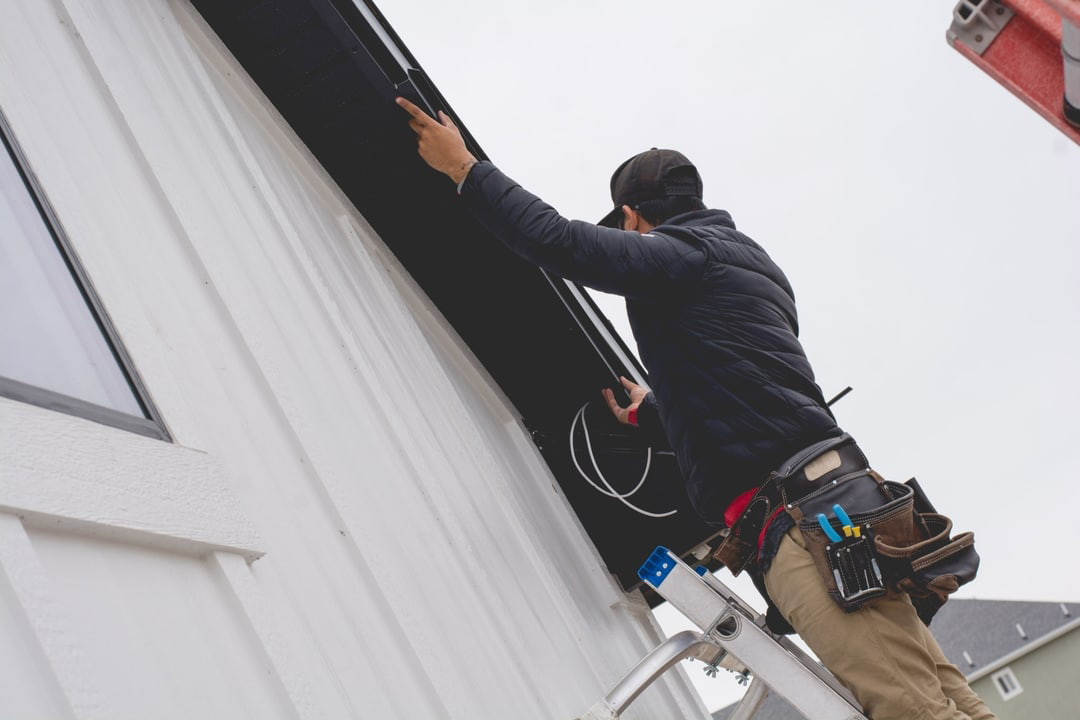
(1022, 658)
(283, 434)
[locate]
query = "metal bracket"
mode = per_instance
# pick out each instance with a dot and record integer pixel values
(977, 22)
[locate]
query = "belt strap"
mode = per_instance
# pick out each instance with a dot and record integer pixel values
(798, 476)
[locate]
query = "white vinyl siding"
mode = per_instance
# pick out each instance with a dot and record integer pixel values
(356, 509)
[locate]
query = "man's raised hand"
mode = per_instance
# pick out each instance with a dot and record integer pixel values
(439, 142)
(636, 393)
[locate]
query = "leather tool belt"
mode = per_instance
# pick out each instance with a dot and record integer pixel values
(867, 535)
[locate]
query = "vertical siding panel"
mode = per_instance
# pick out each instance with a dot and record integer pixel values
(271, 631)
(81, 696)
(419, 559)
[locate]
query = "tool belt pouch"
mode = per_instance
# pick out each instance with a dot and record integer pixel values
(896, 540)
(851, 567)
(932, 569)
(739, 549)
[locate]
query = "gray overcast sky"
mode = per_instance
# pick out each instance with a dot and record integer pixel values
(928, 220)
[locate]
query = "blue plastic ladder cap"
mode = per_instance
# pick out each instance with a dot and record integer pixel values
(701, 570)
(657, 567)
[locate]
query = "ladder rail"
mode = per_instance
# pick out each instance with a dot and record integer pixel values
(785, 673)
(734, 601)
(733, 636)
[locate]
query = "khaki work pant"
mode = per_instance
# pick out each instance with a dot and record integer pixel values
(882, 653)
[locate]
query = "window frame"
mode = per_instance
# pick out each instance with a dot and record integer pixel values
(152, 425)
(1009, 678)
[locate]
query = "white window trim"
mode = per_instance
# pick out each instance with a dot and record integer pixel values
(136, 489)
(1006, 677)
(64, 473)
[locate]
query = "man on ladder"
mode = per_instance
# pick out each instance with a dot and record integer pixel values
(715, 323)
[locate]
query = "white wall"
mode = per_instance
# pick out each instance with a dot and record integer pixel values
(351, 521)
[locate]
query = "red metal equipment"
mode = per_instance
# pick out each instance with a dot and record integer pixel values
(1032, 47)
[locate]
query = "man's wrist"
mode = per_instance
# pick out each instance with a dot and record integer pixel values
(461, 171)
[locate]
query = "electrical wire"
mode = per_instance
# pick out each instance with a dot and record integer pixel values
(610, 491)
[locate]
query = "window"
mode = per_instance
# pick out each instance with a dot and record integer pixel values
(1007, 684)
(57, 349)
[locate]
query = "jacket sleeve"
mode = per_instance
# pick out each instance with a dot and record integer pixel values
(648, 421)
(615, 261)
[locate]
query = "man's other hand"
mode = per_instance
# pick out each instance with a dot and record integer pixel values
(636, 393)
(440, 143)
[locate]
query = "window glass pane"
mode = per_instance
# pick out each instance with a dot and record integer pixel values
(49, 337)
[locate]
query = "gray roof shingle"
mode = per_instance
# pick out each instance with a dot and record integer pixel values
(987, 629)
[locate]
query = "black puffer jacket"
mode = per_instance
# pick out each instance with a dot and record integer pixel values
(715, 324)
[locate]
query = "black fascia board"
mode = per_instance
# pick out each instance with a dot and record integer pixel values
(332, 68)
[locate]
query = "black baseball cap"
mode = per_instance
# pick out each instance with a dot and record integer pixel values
(651, 175)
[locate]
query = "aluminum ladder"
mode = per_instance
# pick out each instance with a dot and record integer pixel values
(733, 637)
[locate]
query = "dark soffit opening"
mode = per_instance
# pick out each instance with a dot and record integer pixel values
(332, 69)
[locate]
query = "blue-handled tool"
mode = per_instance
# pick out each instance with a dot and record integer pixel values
(845, 521)
(829, 532)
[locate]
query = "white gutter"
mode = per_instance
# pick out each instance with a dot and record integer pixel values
(602, 330)
(387, 41)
